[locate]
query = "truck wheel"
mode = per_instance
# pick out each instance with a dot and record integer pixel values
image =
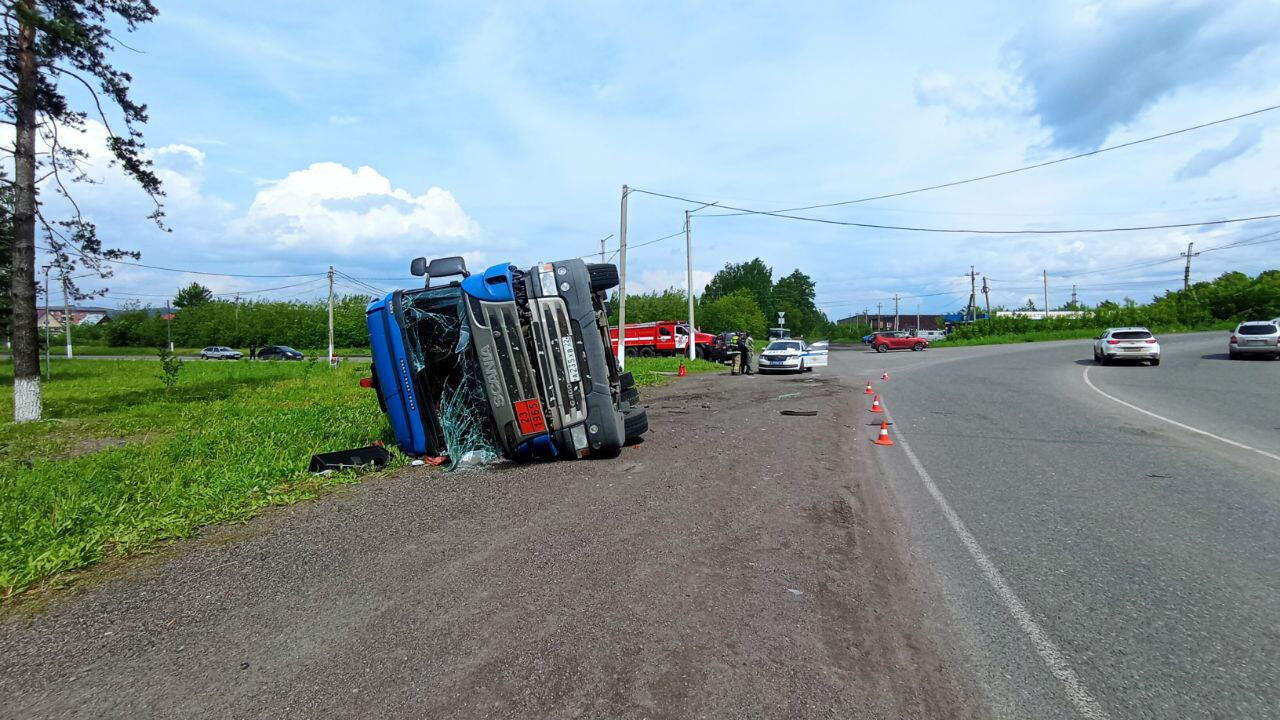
(604, 276)
(635, 422)
(882, 348)
(647, 352)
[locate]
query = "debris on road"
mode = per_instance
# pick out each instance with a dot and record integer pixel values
(798, 413)
(375, 455)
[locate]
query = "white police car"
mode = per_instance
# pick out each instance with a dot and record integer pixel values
(792, 356)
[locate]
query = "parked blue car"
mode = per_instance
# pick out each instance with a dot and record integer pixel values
(515, 360)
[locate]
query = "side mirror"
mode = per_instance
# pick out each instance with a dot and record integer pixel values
(444, 267)
(418, 267)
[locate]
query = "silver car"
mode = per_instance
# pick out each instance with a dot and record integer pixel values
(1126, 343)
(1257, 337)
(219, 352)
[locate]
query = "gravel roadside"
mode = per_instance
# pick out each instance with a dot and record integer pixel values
(737, 563)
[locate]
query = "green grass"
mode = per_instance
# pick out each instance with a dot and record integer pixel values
(117, 464)
(646, 370)
(59, 351)
(1045, 336)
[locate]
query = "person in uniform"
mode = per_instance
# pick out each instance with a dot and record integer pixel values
(745, 346)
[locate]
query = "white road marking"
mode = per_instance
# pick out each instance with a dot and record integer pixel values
(1184, 426)
(1053, 658)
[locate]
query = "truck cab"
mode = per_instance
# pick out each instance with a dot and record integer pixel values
(511, 362)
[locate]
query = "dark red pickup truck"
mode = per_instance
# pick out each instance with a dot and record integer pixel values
(897, 340)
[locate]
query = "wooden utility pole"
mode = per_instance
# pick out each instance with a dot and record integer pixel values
(973, 293)
(330, 316)
(1186, 273)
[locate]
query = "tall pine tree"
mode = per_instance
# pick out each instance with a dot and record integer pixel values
(51, 45)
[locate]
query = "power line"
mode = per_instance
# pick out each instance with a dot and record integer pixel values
(1024, 168)
(177, 270)
(966, 231)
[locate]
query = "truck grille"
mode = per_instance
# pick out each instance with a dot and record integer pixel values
(553, 338)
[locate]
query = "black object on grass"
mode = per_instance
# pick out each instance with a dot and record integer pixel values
(375, 455)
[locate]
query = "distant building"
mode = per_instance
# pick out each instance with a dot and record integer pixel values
(79, 316)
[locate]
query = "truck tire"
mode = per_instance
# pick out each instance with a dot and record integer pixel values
(635, 422)
(647, 352)
(629, 393)
(604, 276)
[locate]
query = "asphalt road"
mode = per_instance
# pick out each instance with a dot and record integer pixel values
(1100, 561)
(1032, 547)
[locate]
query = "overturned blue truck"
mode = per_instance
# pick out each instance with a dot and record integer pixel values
(512, 363)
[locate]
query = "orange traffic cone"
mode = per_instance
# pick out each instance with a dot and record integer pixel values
(875, 405)
(869, 391)
(682, 371)
(884, 434)
(884, 375)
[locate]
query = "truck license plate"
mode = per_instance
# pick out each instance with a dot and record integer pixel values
(570, 359)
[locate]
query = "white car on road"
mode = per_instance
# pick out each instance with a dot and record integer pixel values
(792, 356)
(1258, 337)
(1126, 343)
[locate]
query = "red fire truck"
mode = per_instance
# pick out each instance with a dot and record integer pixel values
(660, 338)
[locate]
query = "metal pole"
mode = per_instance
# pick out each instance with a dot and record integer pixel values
(622, 284)
(66, 312)
(1046, 294)
(688, 255)
(48, 365)
(330, 316)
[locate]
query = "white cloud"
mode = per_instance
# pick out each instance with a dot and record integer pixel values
(329, 207)
(343, 119)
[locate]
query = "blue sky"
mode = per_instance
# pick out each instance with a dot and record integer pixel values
(295, 135)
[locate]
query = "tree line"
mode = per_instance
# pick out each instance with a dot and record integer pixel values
(1229, 298)
(740, 297)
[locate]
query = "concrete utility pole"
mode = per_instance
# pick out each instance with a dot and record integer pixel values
(1186, 273)
(917, 317)
(879, 317)
(622, 283)
(1074, 302)
(48, 366)
(986, 295)
(973, 293)
(331, 316)
(688, 256)
(895, 312)
(1046, 294)
(237, 314)
(66, 312)
(168, 325)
